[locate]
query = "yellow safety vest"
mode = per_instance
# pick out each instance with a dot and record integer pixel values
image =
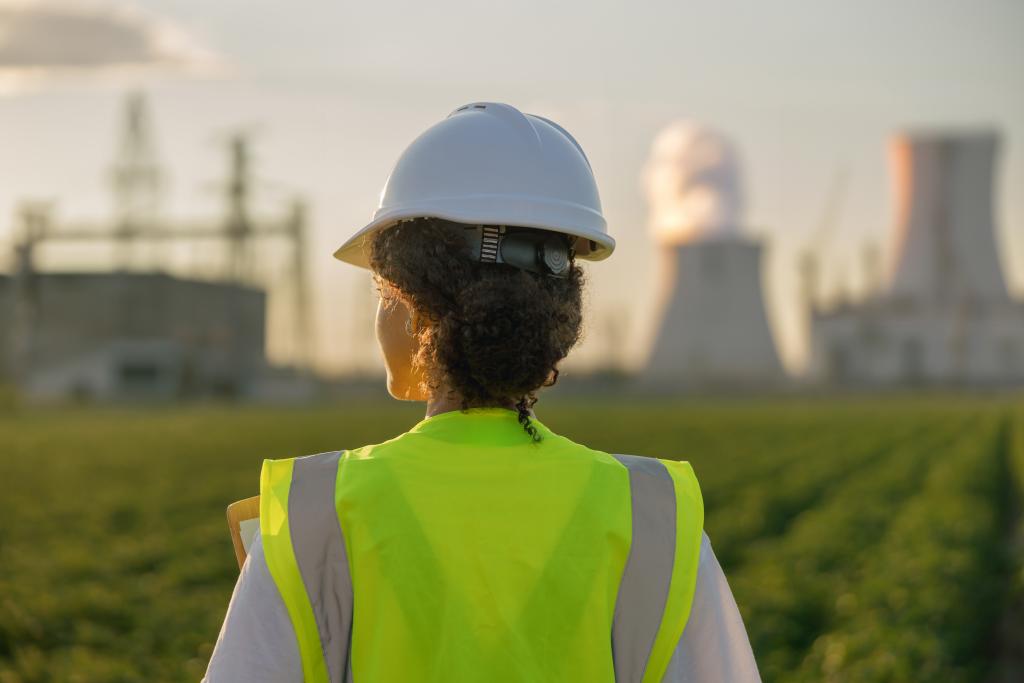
(463, 551)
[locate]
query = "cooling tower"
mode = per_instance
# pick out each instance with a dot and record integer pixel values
(944, 244)
(945, 316)
(711, 327)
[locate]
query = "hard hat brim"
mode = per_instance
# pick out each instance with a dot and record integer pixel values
(594, 243)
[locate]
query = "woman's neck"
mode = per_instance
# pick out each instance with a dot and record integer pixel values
(447, 402)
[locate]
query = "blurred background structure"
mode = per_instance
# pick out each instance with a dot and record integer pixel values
(137, 331)
(945, 315)
(773, 258)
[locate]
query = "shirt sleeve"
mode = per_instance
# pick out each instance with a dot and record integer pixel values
(257, 642)
(714, 645)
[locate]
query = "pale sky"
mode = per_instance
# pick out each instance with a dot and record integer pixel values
(808, 89)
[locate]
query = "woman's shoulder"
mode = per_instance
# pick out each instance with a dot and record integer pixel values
(299, 476)
(324, 459)
(629, 460)
(329, 458)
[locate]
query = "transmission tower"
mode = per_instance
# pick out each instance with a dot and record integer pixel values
(135, 179)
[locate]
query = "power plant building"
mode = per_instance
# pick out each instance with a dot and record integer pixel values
(944, 315)
(131, 335)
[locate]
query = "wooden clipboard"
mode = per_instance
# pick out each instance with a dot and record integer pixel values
(243, 522)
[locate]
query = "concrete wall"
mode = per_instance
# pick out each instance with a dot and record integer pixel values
(110, 334)
(885, 344)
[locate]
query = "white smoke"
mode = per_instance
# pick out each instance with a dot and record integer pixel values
(693, 185)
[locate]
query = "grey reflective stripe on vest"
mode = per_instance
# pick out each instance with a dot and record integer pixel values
(320, 553)
(648, 572)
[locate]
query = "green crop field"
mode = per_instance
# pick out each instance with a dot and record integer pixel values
(864, 540)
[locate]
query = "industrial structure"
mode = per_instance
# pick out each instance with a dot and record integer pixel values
(712, 328)
(141, 335)
(944, 314)
(138, 330)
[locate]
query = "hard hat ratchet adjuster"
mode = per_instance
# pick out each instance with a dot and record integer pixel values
(538, 251)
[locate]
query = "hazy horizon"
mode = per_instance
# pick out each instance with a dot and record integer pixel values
(808, 90)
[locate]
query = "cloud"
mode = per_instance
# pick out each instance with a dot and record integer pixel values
(59, 38)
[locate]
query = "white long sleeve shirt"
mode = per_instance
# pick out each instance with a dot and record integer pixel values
(257, 643)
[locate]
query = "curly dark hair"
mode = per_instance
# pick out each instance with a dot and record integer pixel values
(494, 333)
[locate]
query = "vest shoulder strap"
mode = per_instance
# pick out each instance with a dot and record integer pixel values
(656, 590)
(305, 551)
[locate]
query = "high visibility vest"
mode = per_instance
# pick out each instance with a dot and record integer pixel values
(462, 551)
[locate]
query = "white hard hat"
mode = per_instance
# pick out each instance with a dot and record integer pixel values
(490, 164)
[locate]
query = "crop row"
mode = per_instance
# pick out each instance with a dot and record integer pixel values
(764, 508)
(923, 604)
(791, 587)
